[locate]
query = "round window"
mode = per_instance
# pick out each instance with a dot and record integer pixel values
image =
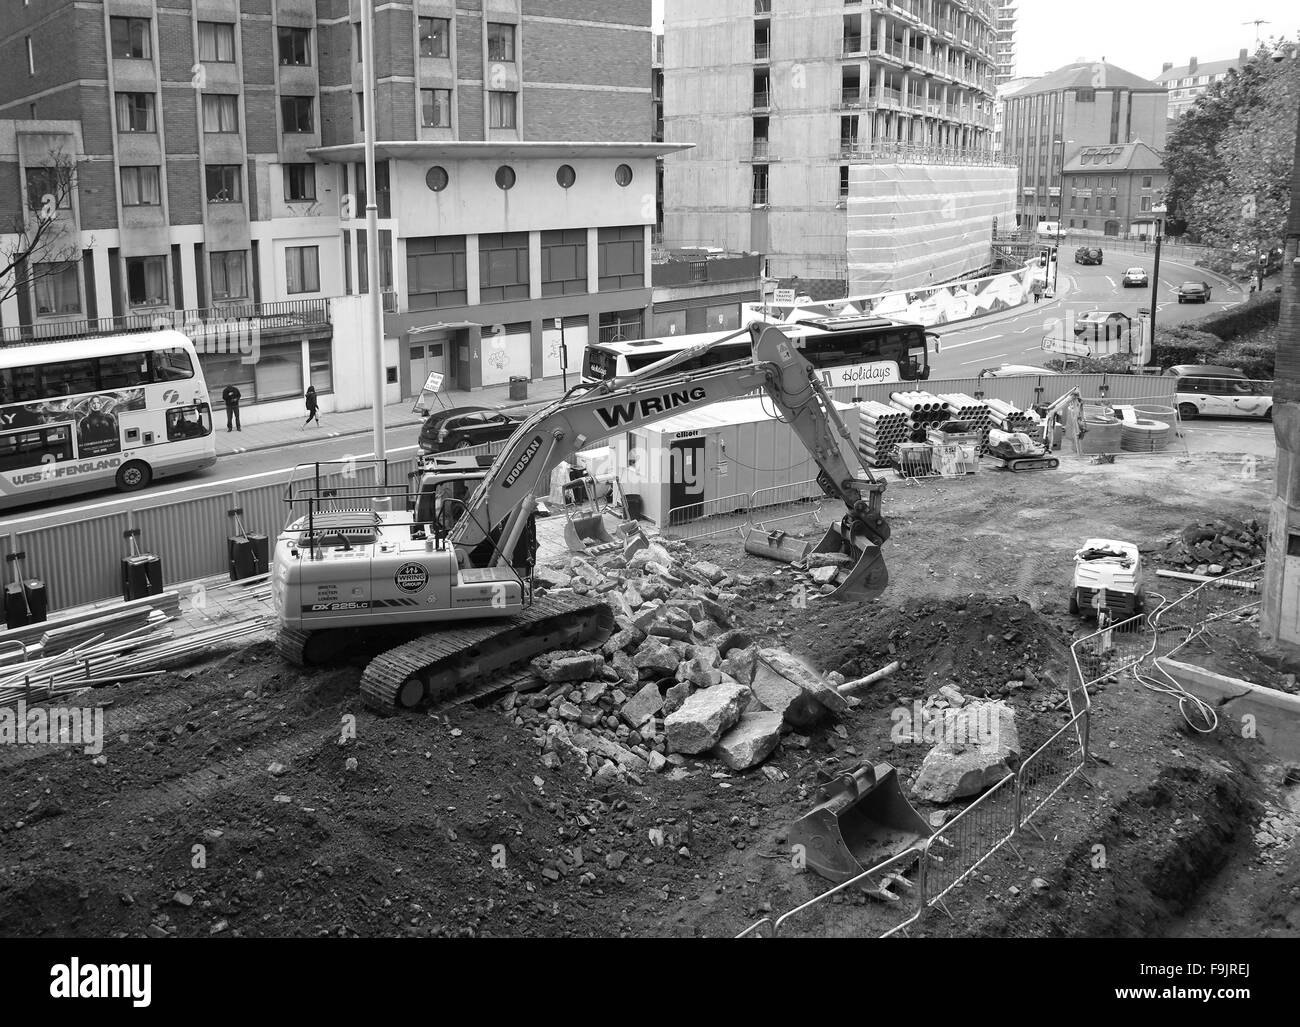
(436, 179)
(505, 176)
(566, 176)
(623, 175)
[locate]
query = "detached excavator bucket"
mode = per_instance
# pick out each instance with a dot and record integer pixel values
(776, 545)
(861, 819)
(867, 576)
(585, 531)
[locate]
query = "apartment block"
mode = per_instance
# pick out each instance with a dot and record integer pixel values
(1048, 121)
(1188, 82)
(1004, 54)
(789, 101)
(219, 172)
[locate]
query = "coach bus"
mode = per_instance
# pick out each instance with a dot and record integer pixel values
(89, 414)
(847, 351)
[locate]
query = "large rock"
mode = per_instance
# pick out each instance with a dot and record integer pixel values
(698, 672)
(573, 665)
(797, 673)
(736, 638)
(698, 724)
(625, 640)
(642, 706)
(781, 696)
(711, 572)
(625, 668)
(677, 695)
(978, 744)
(751, 741)
(740, 664)
(656, 659)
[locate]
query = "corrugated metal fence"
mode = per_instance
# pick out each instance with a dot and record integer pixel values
(1024, 390)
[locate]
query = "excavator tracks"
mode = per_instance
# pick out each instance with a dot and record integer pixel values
(461, 663)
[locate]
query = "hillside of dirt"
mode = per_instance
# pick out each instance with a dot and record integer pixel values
(241, 797)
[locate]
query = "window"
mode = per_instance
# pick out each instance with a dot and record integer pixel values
(564, 262)
(216, 42)
(501, 42)
(1146, 181)
(621, 258)
(435, 272)
(1112, 203)
(320, 365)
(31, 57)
(135, 112)
(760, 185)
(299, 182)
(296, 112)
(35, 447)
(43, 182)
(224, 183)
(436, 179)
(1146, 202)
(501, 110)
(356, 41)
(434, 36)
(229, 277)
(58, 290)
(220, 112)
(302, 268)
(295, 46)
(623, 175)
(130, 38)
(146, 281)
(435, 108)
(140, 187)
(505, 177)
(189, 422)
(844, 181)
(503, 267)
(1085, 96)
(566, 176)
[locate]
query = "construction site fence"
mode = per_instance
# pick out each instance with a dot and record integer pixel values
(764, 509)
(1024, 391)
(954, 852)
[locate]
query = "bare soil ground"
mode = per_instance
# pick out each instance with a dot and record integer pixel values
(451, 826)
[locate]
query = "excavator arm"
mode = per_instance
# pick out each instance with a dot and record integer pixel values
(503, 504)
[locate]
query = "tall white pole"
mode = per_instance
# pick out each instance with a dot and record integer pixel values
(376, 308)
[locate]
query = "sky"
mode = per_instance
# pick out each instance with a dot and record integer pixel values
(1137, 35)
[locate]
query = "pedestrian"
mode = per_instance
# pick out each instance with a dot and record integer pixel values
(231, 397)
(1037, 289)
(312, 415)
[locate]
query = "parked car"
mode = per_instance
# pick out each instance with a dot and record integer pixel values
(1207, 390)
(1136, 276)
(462, 427)
(1087, 255)
(1194, 292)
(1102, 325)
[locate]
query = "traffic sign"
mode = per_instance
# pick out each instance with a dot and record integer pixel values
(784, 296)
(1070, 347)
(434, 382)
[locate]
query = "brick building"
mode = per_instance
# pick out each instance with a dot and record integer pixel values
(219, 169)
(1188, 82)
(1111, 190)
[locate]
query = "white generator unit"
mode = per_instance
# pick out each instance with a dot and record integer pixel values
(1107, 576)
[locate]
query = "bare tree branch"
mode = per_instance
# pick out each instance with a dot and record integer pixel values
(39, 242)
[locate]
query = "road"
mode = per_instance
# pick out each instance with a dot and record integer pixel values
(967, 349)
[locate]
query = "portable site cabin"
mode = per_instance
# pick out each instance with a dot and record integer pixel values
(709, 461)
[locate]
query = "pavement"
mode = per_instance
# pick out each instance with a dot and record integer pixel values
(274, 434)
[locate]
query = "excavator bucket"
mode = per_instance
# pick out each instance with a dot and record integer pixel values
(776, 545)
(861, 819)
(866, 576)
(585, 532)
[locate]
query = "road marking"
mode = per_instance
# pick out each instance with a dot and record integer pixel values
(1111, 280)
(215, 484)
(959, 345)
(980, 360)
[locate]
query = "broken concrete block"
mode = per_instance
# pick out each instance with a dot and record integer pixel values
(699, 672)
(626, 669)
(698, 724)
(657, 761)
(625, 640)
(642, 706)
(751, 741)
(677, 695)
(813, 684)
(656, 658)
(740, 664)
(817, 561)
(632, 595)
(710, 571)
(611, 750)
(593, 690)
(634, 544)
(977, 744)
(708, 653)
(619, 605)
(704, 629)
(646, 616)
(567, 666)
(735, 638)
(777, 694)
(673, 631)
(825, 575)
(693, 609)
(717, 612)
(954, 697)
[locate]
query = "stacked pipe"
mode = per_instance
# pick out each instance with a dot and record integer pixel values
(880, 428)
(922, 409)
(962, 407)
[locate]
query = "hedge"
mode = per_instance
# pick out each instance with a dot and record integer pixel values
(1257, 313)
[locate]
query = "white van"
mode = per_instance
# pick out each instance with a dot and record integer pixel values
(1048, 228)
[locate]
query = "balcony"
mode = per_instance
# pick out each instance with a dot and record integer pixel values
(389, 297)
(889, 48)
(284, 314)
(762, 51)
(852, 44)
(760, 198)
(762, 100)
(762, 149)
(851, 97)
(885, 97)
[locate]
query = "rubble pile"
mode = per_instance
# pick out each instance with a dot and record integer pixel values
(1216, 547)
(678, 677)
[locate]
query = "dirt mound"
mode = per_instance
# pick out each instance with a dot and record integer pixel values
(981, 644)
(1225, 542)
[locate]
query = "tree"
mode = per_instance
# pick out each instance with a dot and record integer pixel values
(39, 242)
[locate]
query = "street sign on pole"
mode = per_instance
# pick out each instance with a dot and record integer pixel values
(784, 297)
(1070, 347)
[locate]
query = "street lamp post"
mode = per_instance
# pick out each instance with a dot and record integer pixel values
(1158, 210)
(1060, 217)
(375, 305)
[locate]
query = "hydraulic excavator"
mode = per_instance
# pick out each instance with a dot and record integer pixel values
(440, 590)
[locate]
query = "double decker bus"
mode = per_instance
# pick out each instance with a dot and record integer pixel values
(115, 411)
(847, 351)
